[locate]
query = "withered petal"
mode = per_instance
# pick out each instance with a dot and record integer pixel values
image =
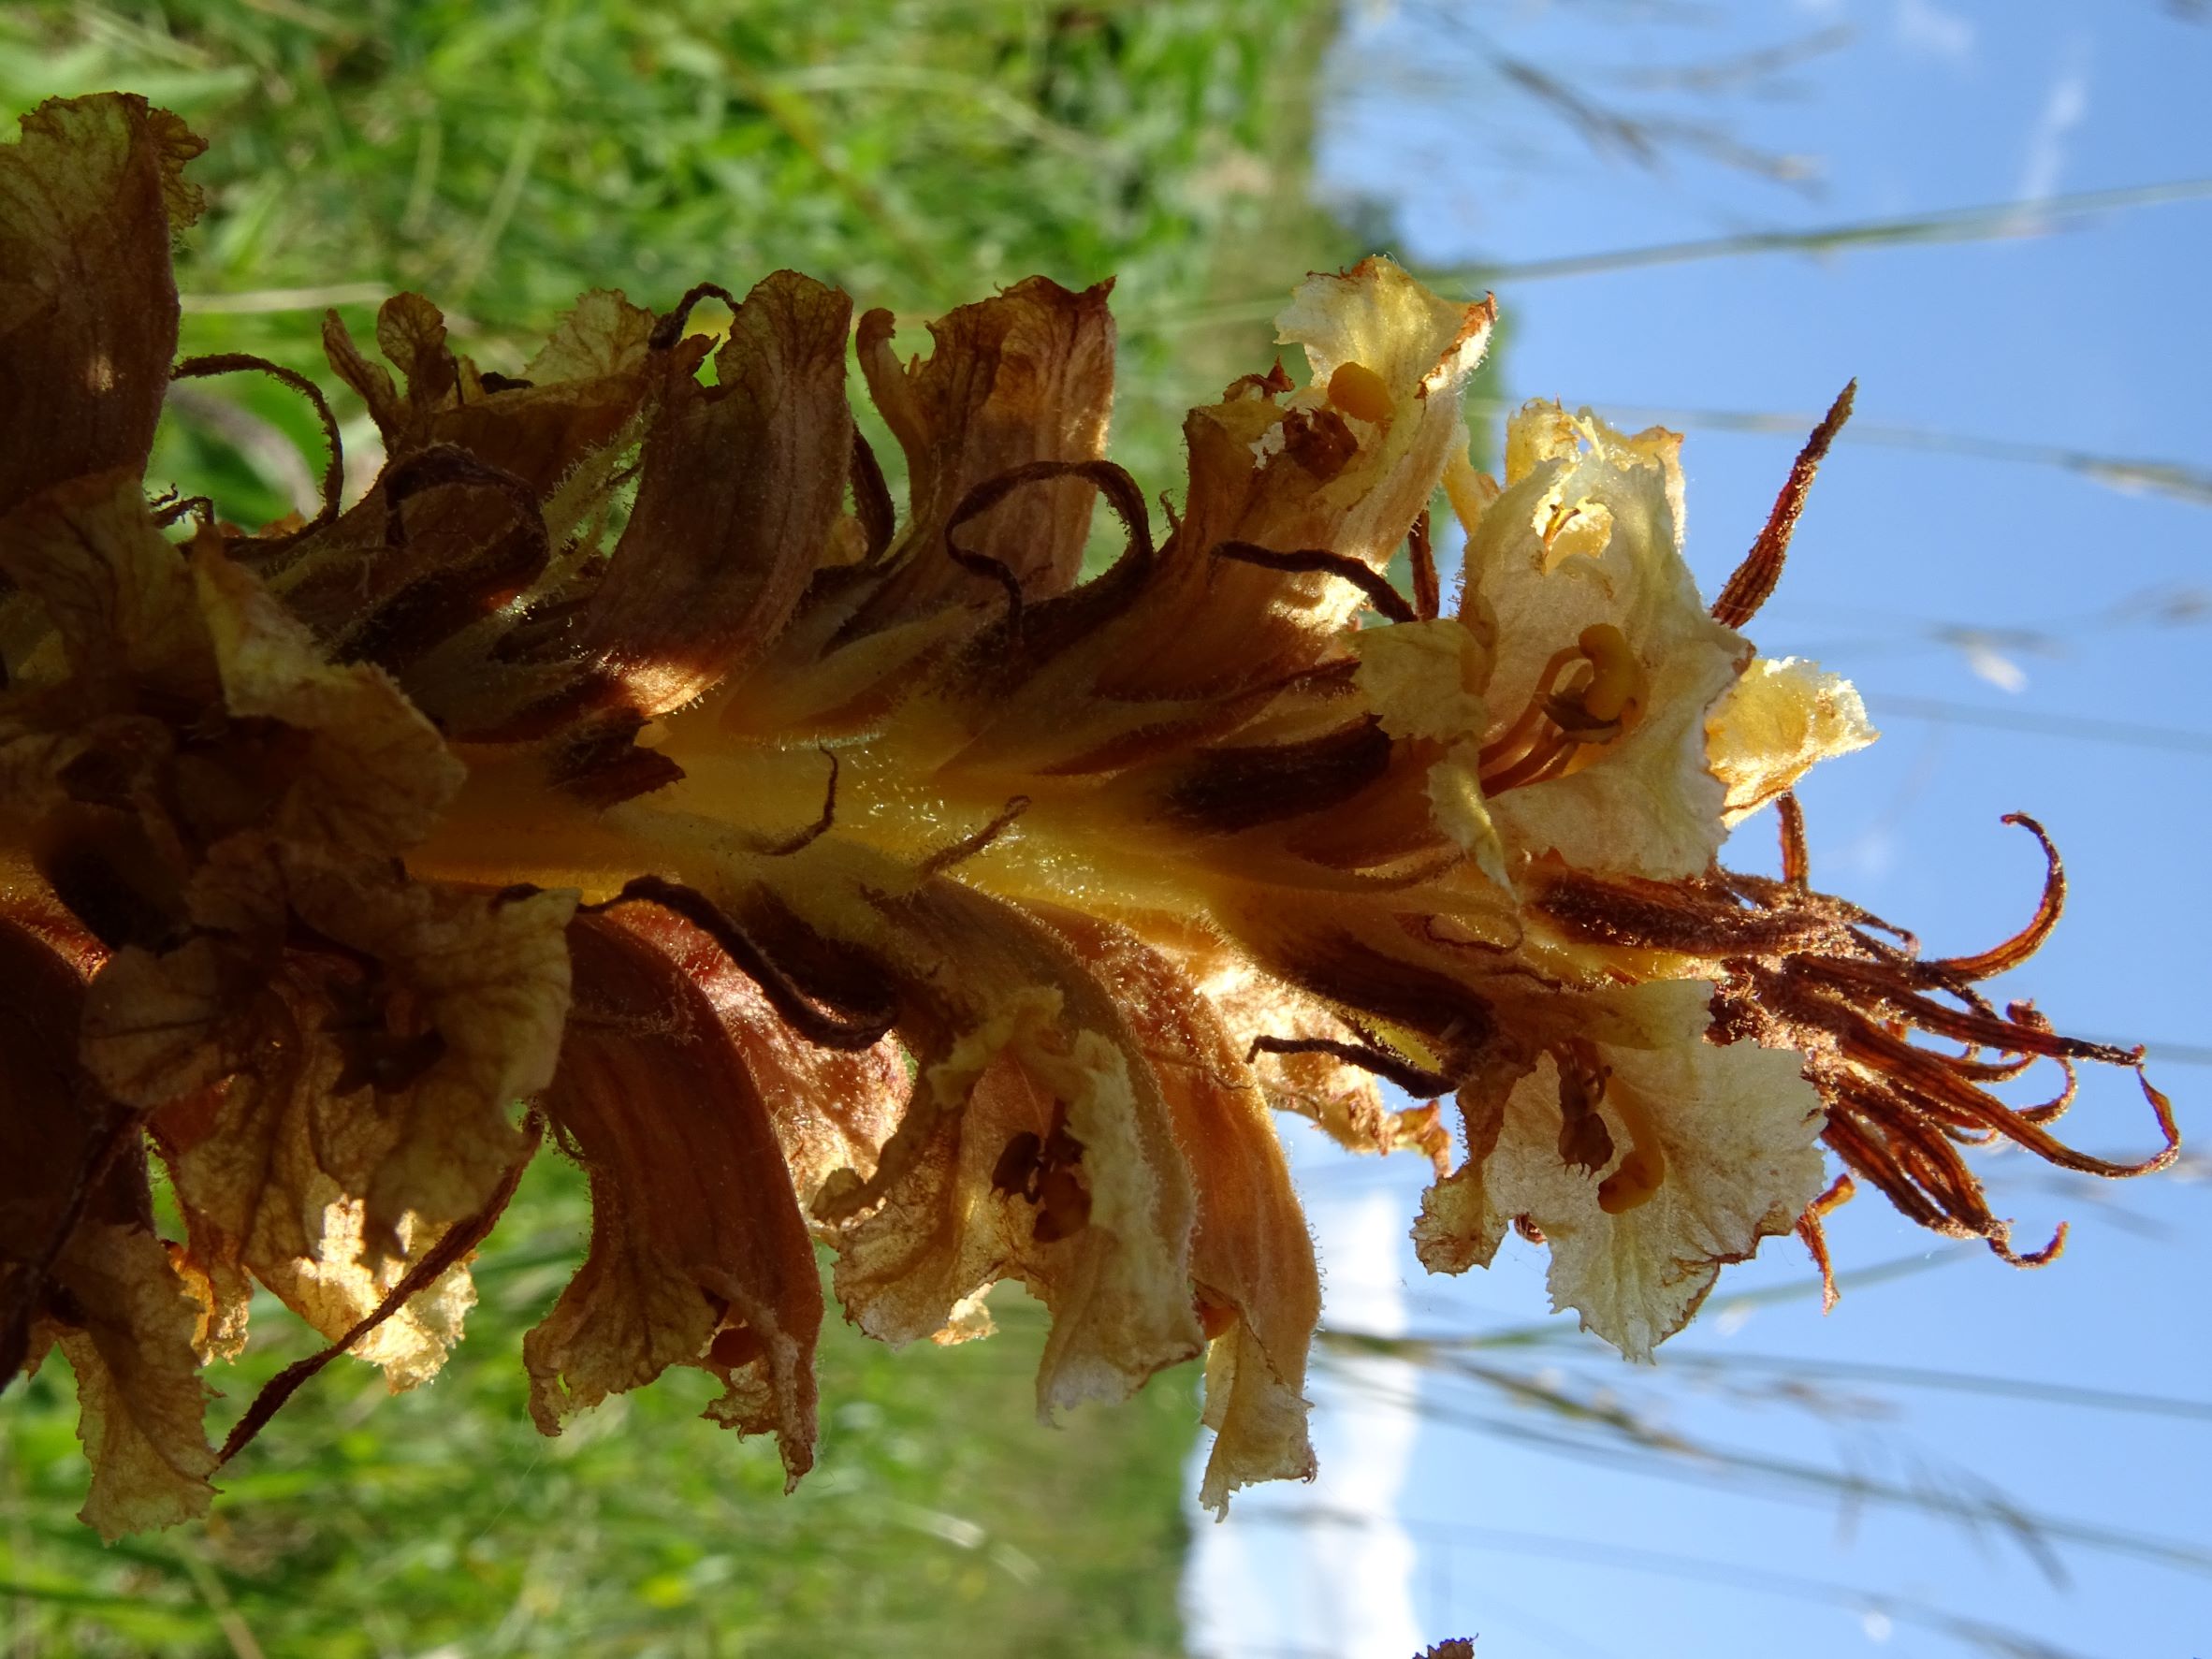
(1015, 1036)
(553, 447)
(56, 1132)
(246, 1163)
(411, 333)
(492, 978)
(112, 587)
(140, 1401)
(602, 335)
(699, 1255)
(1025, 376)
(741, 483)
(1300, 476)
(1460, 1225)
(88, 307)
(1471, 855)
(832, 1108)
(1251, 1256)
(461, 1015)
(1719, 1146)
(80, 1263)
(376, 773)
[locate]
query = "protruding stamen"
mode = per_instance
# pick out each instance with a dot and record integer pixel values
(1512, 744)
(1554, 526)
(1814, 1234)
(1582, 719)
(2029, 939)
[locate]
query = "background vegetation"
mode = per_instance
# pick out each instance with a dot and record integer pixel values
(502, 156)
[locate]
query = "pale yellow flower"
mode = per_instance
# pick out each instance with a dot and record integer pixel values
(1697, 1153)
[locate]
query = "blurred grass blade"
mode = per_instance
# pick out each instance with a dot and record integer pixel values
(1907, 1377)
(2078, 728)
(1995, 1638)
(1702, 1463)
(2127, 473)
(1946, 224)
(270, 301)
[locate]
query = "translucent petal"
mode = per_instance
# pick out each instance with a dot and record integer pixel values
(1777, 722)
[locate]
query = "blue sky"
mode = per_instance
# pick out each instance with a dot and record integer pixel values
(1942, 583)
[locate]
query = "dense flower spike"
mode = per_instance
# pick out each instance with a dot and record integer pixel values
(617, 768)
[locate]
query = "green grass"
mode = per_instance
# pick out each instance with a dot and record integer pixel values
(503, 156)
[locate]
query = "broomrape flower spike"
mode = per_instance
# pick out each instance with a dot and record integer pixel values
(814, 876)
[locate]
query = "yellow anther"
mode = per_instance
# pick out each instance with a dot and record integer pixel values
(1555, 525)
(1359, 392)
(1617, 681)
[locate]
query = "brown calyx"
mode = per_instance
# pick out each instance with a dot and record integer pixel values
(1797, 968)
